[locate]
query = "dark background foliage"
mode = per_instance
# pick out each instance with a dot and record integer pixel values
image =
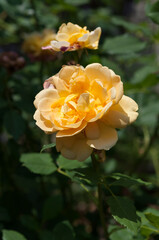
(48, 205)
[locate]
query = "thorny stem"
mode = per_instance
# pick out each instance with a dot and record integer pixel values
(82, 185)
(100, 196)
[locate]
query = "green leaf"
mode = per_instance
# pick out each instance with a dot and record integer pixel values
(124, 44)
(51, 145)
(153, 11)
(148, 230)
(124, 212)
(63, 231)
(123, 234)
(67, 164)
(126, 181)
(149, 113)
(52, 207)
(12, 235)
(153, 219)
(40, 163)
(142, 73)
(14, 124)
(77, 2)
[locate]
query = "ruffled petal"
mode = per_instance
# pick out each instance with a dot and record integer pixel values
(57, 46)
(108, 78)
(100, 114)
(43, 123)
(97, 71)
(74, 147)
(117, 83)
(94, 38)
(69, 28)
(71, 131)
(121, 114)
(66, 73)
(83, 38)
(107, 139)
(92, 131)
(46, 93)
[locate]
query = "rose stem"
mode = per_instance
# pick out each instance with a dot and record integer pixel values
(96, 166)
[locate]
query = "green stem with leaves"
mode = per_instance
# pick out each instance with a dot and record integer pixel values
(100, 196)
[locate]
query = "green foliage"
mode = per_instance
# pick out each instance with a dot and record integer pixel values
(12, 235)
(51, 145)
(126, 181)
(153, 11)
(54, 198)
(124, 44)
(38, 163)
(63, 231)
(124, 212)
(66, 164)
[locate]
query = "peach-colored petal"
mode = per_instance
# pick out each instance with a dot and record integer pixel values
(117, 83)
(92, 131)
(46, 93)
(107, 139)
(71, 131)
(69, 28)
(100, 114)
(74, 147)
(97, 71)
(62, 37)
(58, 45)
(66, 73)
(43, 123)
(83, 38)
(122, 114)
(61, 86)
(45, 104)
(99, 91)
(94, 38)
(83, 102)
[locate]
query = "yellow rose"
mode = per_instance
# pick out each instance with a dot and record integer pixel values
(84, 106)
(34, 42)
(71, 37)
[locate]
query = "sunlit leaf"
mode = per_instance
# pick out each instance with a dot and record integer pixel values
(12, 235)
(40, 163)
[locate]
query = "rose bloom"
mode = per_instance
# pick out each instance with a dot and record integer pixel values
(71, 37)
(33, 43)
(84, 106)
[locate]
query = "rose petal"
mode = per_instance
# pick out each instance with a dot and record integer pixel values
(94, 38)
(45, 93)
(83, 38)
(92, 131)
(71, 131)
(58, 45)
(121, 114)
(74, 147)
(43, 123)
(45, 104)
(107, 139)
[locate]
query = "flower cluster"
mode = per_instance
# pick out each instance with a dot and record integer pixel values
(71, 37)
(34, 42)
(12, 61)
(84, 106)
